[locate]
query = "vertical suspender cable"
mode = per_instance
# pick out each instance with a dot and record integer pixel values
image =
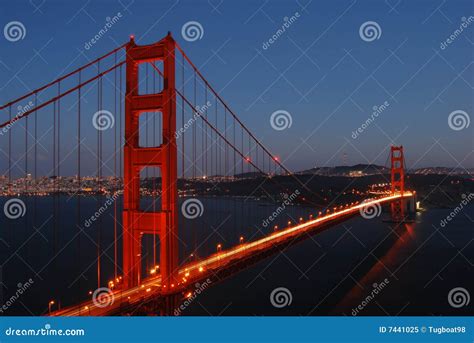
(216, 141)
(233, 142)
(120, 123)
(58, 161)
(226, 145)
(26, 155)
(205, 151)
(98, 176)
(115, 168)
(35, 211)
(194, 132)
(182, 119)
(79, 187)
(154, 180)
(10, 152)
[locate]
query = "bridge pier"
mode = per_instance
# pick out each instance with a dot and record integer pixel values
(411, 204)
(408, 205)
(170, 304)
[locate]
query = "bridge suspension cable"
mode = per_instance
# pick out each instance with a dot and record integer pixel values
(227, 108)
(261, 159)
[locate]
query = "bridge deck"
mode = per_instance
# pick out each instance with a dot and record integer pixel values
(201, 270)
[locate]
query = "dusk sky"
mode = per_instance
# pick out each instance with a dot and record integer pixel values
(319, 70)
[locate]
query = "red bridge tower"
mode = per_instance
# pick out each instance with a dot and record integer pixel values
(136, 222)
(397, 160)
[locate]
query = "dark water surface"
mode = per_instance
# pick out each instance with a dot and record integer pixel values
(329, 273)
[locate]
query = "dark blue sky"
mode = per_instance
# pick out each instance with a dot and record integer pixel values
(319, 70)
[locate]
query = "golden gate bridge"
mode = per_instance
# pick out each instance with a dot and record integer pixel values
(163, 83)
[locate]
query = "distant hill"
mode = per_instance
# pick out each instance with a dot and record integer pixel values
(352, 171)
(373, 169)
(248, 175)
(443, 171)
